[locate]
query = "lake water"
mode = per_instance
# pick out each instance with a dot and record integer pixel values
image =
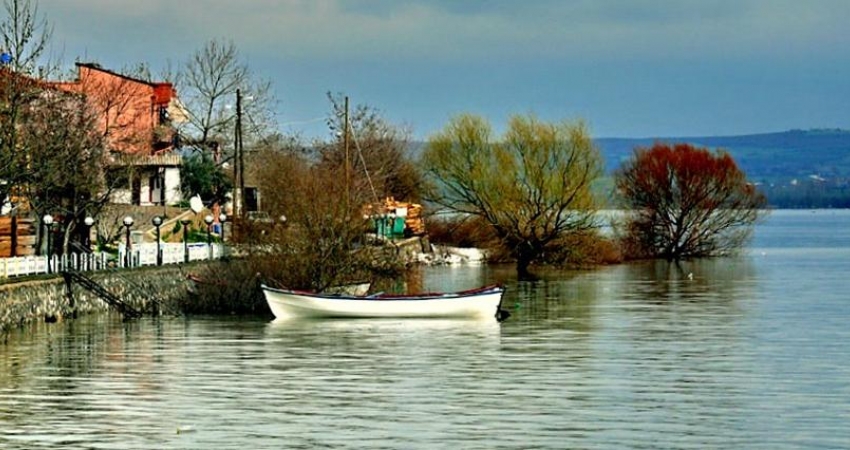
(750, 352)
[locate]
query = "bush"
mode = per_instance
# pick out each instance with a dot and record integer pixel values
(322, 243)
(577, 249)
(581, 249)
(461, 231)
(226, 287)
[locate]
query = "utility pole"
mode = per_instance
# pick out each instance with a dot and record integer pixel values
(347, 164)
(238, 167)
(242, 195)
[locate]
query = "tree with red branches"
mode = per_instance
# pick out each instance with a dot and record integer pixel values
(684, 202)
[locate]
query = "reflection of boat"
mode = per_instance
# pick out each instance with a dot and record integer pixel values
(383, 326)
(474, 303)
(385, 341)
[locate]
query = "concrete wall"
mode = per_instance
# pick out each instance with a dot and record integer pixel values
(148, 169)
(172, 186)
(121, 196)
(46, 300)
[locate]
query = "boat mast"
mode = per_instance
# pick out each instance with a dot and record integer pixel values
(348, 136)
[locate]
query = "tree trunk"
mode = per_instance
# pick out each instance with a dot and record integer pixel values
(523, 260)
(66, 238)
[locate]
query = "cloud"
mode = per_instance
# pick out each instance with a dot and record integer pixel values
(627, 65)
(451, 31)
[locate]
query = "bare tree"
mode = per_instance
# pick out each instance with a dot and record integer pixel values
(321, 242)
(62, 132)
(375, 151)
(208, 83)
(25, 37)
(49, 127)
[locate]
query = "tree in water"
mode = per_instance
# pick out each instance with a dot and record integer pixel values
(532, 185)
(685, 202)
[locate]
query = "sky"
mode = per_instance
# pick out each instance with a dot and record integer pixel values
(627, 68)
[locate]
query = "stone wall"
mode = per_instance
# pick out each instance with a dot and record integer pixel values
(47, 300)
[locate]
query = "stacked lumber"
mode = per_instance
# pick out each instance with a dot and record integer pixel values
(414, 224)
(26, 237)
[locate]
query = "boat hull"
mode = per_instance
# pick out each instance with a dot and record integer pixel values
(480, 303)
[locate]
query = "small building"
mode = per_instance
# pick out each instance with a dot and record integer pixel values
(157, 180)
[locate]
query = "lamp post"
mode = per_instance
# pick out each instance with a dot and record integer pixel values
(221, 219)
(88, 221)
(157, 222)
(208, 219)
(48, 221)
(128, 222)
(185, 223)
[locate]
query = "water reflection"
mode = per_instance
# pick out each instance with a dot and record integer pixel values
(61, 392)
(717, 279)
(297, 325)
(727, 353)
(407, 343)
(569, 299)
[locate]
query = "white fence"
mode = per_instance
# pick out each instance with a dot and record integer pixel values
(140, 255)
(145, 254)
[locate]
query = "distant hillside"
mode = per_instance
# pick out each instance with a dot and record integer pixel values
(795, 169)
(764, 157)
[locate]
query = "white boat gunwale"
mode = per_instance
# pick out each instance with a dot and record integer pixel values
(381, 296)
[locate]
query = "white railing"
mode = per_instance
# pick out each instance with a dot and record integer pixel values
(145, 254)
(140, 255)
(33, 265)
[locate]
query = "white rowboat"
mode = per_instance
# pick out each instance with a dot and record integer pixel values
(475, 303)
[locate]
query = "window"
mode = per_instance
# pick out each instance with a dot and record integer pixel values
(252, 199)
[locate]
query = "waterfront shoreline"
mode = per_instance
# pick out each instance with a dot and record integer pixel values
(46, 300)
